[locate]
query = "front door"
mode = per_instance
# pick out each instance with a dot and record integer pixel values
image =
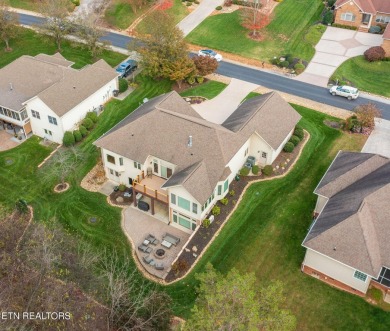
(166, 172)
(155, 167)
(366, 19)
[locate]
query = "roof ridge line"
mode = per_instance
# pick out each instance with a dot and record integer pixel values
(195, 168)
(270, 94)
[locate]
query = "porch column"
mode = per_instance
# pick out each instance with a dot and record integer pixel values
(152, 206)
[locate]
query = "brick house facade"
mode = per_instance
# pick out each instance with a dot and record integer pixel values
(386, 40)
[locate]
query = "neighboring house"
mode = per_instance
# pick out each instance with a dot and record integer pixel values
(386, 40)
(43, 95)
(348, 244)
(362, 14)
(183, 163)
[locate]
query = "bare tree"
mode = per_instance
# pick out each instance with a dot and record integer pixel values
(8, 23)
(56, 23)
(62, 164)
(88, 28)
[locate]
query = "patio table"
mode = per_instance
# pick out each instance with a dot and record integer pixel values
(166, 244)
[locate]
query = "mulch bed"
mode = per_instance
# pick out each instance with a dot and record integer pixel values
(126, 200)
(204, 235)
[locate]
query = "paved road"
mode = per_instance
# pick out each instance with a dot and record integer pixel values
(258, 77)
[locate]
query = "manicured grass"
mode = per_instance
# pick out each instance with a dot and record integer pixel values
(285, 34)
(264, 236)
(120, 14)
(178, 11)
(373, 77)
(208, 90)
(31, 43)
(25, 4)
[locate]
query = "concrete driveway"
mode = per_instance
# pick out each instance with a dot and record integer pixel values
(204, 9)
(379, 140)
(218, 109)
(336, 46)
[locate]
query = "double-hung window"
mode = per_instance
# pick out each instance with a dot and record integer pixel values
(35, 114)
(52, 120)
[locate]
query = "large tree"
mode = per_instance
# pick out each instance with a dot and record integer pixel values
(8, 23)
(56, 23)
(233, 303)
(366, 114)
(205, 65)
(162, 45)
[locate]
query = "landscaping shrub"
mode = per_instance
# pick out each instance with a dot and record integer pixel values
(21, 206)
(298, 127)
(216, 210)
(205, 65)
(228, 3)
(375, 29)
(83, 130)
(199, 79)
(183, 0)
(351, 123)
(289, 147)
(191, 80)
(92, 116)
(268, 170)
(299, 133)
(188, 4)
(77, 135)
(122, 187)
(295, 140)
(349, 27)
(206, 223)
(196, 2)
(244, 171)
(375, 53)
(224, 201)
(232, 193)
(255, 169)
(328, 17)
(299, 68)
(179, 266)
(218, 8)
(284, 64)
(76, 2)
(275, 61)
(376, 294)
(123, 85)
(68, 139)
(87, 122)
(331, 3)
(289, 58)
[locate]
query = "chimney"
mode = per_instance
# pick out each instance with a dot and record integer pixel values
(11, 87)
(189, 141)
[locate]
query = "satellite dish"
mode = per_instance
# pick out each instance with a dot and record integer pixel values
(145, 100)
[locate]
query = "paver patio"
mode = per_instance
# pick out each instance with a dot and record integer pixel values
(138, 224)
(7, 141)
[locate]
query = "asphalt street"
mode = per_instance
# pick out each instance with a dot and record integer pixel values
(272, 81)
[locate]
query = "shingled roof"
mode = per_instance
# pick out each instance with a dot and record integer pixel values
(368, 6)
(354, 225)
(51, 78)
(170, 121)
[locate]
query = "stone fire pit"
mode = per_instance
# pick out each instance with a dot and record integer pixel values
(159, 253)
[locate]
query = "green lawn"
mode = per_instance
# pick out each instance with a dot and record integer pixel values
(373, 77)
(33, 5)
(29, 42)
(285, 34)
(208, 90)
(178, 11)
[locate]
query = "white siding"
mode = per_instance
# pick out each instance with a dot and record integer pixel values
(276, 153)
(39, 125)
(125, 172)
(335, 270)
(258, 146)
(238, 160)
(73, 117)
(180, 191)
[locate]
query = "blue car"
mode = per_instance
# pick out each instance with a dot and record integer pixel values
(126, 68)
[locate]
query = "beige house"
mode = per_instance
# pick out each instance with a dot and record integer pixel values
(45, 96)
(362, 14)
(182, 164)
(348, 243)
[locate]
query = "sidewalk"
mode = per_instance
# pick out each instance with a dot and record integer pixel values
(191, 21)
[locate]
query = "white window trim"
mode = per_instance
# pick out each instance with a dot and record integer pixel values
(345, 17)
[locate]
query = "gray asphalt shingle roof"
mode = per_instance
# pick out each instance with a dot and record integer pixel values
(354, 225)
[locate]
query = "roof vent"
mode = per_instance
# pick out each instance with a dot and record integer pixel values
(189, 141)
(74, 87)
(11, 87)
(334, 248)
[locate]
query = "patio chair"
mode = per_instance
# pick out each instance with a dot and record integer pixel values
(147, 259)
(155, 242)
(159, 266)
(145, 249)
(171, 238)
(150, 237)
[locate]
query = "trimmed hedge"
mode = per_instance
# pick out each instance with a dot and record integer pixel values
(77, 135)
(299, 133)
(68, 139)
(376, 53)
(299, 68)
(87, 122)
(123, 85)
(244, 171)
(255, 169)
(83, 130)
(268, 170)
(224, 201)
(289, 147)
(216, 210)
(348, 27)
(92, 116)
(295, 140)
